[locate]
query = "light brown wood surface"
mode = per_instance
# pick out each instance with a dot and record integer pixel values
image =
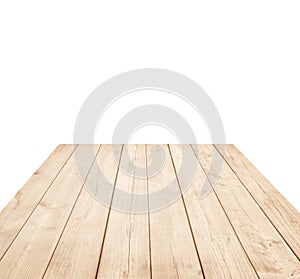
(126, 247)
(257, 235)
(16, 213)
(81, 242)
(174, 254)
(281, 213)
(242, 228)
(221, 254)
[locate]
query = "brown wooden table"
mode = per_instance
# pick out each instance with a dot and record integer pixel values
(243, 227)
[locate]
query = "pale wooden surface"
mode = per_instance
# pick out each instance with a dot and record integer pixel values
(16, 213)
(174, 254)
(284, 217)
(221, 254)
(77, 253)
(126, 250)
(257, 235)
(244, 228)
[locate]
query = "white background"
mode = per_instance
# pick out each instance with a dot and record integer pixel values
(246, 56)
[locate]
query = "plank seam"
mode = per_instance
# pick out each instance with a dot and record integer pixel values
(149, 228)
(225, 213)
(130, 219)
(69, 216)
(292, 250)
(186, 212)
(106, 224)
(51, 183)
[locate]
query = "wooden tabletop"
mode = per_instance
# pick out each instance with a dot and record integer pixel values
(82, 216)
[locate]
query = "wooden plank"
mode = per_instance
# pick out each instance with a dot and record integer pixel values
(126, 246)
(31, 251)
(54, 228)
(173, 252)
(78, 250)
(281, 213)
(220, 251)
(269, 254)
(16, 213)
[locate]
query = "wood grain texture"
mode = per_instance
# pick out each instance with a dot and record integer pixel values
(126, 246)
(221, 254)
(285, 218)
(172, 247)
(78, 251)
(31, 251)
(16, 213)
(267, 251)
(61, 226)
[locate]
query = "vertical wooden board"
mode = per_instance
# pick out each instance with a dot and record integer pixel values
(220, 251)
(173, 252)
(42, 231)
(269, 254)
(78, 250)
(126, 246)
(15, 214)
(282, 214)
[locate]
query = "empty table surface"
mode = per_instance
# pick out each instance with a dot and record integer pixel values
(149, 211)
